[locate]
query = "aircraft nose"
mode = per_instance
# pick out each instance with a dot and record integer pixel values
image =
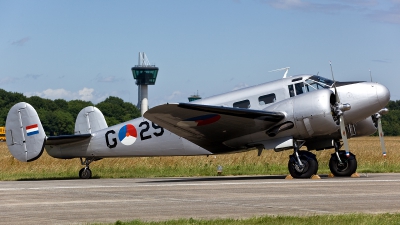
(383, 95)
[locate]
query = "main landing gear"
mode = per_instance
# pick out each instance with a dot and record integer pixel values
(303, 164)
(85, 172)
(342, 165)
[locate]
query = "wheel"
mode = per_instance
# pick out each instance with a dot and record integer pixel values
(344, 169)
(85, 173)
(310, 165)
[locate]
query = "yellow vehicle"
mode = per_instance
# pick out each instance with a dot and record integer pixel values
(2, 133)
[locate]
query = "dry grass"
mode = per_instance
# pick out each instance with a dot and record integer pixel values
(367, 150)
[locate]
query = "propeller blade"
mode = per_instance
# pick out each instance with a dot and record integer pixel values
(380, 130)
(344, 136)
(334, 84)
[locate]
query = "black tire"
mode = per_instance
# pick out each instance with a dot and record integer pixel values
(85, 173)
(309, 162)
(346, 169)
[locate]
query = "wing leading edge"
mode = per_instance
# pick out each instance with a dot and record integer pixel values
(210, 126)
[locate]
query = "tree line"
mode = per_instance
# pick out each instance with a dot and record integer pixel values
(58, 116)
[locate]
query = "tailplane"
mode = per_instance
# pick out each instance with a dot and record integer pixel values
(25, 136)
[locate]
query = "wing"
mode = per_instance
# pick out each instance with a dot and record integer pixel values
(210, 126)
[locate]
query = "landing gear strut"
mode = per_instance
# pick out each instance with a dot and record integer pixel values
(86, 173)
(341, 165)
(302, 164)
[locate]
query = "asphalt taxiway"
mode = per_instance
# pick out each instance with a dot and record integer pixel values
(108, 200)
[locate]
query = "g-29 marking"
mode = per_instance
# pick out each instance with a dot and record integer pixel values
(143, 136)
(147, 127)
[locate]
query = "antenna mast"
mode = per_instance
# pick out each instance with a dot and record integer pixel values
(285, 68)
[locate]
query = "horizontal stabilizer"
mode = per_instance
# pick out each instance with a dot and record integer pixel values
(66, 139)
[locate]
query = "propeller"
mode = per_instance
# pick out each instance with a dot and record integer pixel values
(378, 122)
(339, 108)
(377, 117)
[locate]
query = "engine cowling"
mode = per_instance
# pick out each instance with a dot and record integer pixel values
(311, 113)
(365, 127)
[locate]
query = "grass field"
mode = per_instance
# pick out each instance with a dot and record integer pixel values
(348, 219)
(366, 149)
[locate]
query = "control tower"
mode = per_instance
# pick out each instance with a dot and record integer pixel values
(145, 74)
(194, 97)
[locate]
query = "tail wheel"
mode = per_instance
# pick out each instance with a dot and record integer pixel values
(309, 167)
(344, 169)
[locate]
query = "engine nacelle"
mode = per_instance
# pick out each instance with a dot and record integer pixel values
(365, 127)
(311, 113)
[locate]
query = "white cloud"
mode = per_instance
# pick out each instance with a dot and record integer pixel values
(86, 94)
(387, 11)
(108, 79)
(33, 76)
(54, 93)
(381, 60)
(391, 15)
(174, 95)
(287, 4)
(8, 80)
(21, 42)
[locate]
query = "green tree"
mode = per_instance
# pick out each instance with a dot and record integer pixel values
(75, 106)
(115, 110)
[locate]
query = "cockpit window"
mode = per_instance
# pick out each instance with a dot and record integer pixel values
(313, 83)
(299, 88)
(317, 82)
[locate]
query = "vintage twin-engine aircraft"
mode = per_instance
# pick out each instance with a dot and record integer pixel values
(304, 110)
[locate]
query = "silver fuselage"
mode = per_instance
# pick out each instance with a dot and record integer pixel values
(307, 110)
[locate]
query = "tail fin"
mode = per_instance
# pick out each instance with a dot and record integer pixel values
(25, 136)
(90, 119)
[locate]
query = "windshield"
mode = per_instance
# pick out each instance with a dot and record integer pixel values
(316, 82)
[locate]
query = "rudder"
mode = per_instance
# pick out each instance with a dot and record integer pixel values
(25, 136)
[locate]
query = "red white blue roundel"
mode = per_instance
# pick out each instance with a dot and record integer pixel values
(127, 134)
(199, 120)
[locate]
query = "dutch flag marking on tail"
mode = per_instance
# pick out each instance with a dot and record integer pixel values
(32, 129)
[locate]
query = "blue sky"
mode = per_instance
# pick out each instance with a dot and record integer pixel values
(85, 49)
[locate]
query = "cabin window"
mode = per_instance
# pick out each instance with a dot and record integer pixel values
(299, 88)
(267, 99)
(291, 90)
(245, 104)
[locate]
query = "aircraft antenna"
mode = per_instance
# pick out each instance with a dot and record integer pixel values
(285, 68)
(370, 75)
